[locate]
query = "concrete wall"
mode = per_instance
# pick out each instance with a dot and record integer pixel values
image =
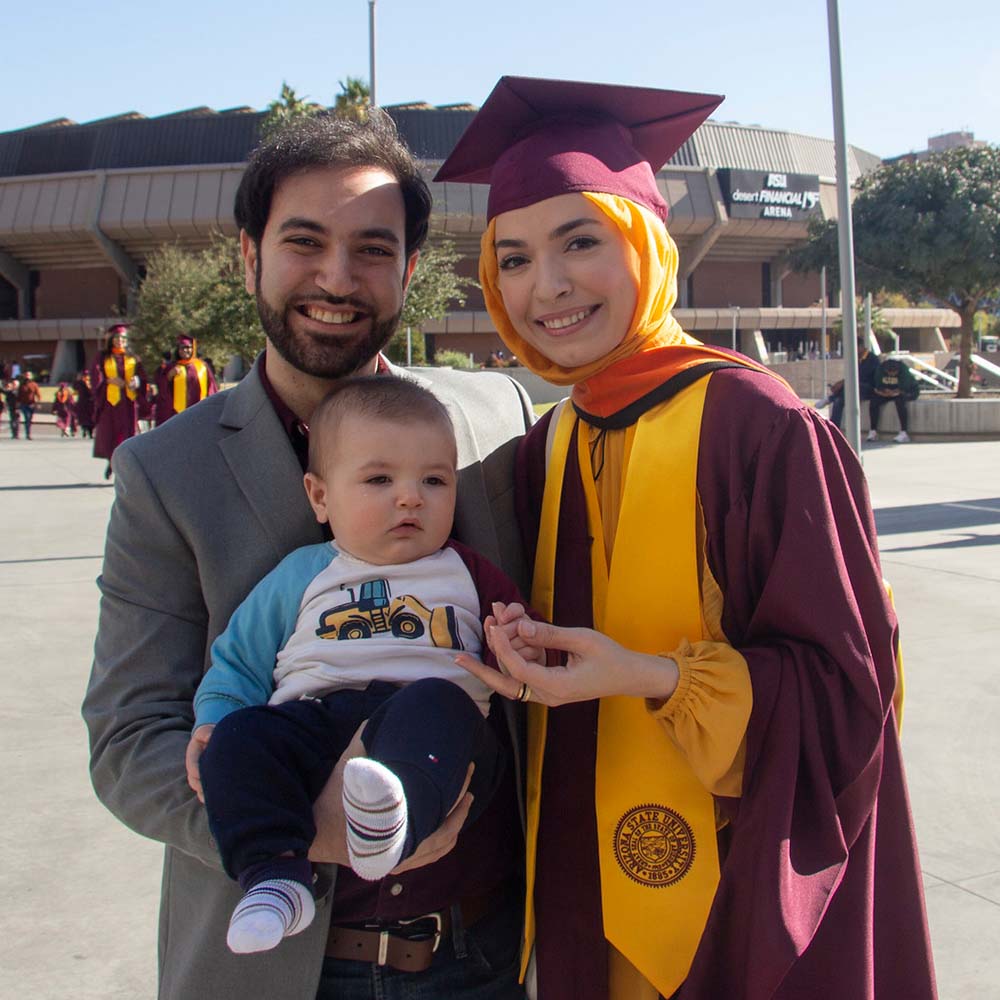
(537, 388)
(65, 293)
(717, 284)
(798, 290)
(929, 416)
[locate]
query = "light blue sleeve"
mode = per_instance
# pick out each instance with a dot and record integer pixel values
(243, 657)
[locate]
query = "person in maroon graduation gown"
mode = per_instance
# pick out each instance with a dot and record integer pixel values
(183, 381)
(118, 383)
(717, 806)
(64, 410)
(84, 403)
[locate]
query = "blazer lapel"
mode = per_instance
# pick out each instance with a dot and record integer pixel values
(265, 468)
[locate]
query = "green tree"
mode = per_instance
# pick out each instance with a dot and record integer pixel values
(987, 325)
(452, 359)
(927, 229)
(353, 100)
(880, 325)
(289, 107)
(434, 289)
(396, 349)
(199, 292)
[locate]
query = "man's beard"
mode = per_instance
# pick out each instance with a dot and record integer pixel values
(328, 358)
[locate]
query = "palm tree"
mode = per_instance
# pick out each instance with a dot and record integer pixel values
(353, 100)
(287, 108)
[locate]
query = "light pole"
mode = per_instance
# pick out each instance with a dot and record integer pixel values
(824, 348)
(845, 235)
(371, 54)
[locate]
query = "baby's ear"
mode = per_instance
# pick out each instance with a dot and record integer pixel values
(316, 492)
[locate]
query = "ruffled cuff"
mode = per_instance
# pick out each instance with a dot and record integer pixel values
(707, 715)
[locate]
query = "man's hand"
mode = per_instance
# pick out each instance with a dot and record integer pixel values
(195, 748)
(330, 843)
(444, 838)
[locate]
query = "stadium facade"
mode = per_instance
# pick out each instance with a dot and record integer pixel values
(83, 205)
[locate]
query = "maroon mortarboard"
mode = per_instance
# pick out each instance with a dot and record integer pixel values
(184, 338)
(534, 139)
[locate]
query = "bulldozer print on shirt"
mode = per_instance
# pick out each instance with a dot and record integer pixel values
(375, 611)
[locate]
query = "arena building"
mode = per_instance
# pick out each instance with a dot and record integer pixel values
(83, 205)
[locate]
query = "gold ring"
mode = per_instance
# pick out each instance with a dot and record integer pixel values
(524, 694)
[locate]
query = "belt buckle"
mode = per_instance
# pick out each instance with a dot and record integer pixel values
(384, 933)
(438, 924)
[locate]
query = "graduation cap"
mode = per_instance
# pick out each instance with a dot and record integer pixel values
(534, 139)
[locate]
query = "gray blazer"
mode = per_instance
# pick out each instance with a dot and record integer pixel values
(204, 507)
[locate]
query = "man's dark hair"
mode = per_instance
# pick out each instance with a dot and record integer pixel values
(375, 397)
(327, 141)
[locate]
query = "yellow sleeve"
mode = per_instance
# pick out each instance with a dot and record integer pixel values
(707, 715)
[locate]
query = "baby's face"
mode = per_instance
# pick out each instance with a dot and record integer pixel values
(386, 488)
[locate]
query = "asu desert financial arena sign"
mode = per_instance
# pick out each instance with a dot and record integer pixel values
(753, 195)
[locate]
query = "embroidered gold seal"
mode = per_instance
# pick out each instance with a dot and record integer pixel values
(654, 845)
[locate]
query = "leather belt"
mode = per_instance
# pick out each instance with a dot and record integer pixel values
(406, 945)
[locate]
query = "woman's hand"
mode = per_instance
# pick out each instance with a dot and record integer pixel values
(596, 666)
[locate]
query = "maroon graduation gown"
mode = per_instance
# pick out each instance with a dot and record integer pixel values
(163, 408)
(114, 424)
(820, 894)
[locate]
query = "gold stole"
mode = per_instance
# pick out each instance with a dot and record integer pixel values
(114, 393)
(899, 694)
(180, 383)
(655, 821)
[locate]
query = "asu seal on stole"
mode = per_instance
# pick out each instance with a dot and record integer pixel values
(654, 845)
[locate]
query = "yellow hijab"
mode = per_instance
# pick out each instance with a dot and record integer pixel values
(652, 323)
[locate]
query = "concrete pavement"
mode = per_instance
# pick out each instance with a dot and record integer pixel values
(80, 891)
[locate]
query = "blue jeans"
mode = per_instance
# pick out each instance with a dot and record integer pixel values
(475, 963)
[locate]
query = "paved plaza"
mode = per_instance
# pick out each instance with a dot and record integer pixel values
(80, 891)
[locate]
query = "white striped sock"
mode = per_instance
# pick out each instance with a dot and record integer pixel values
(271, 910)
(375, 809)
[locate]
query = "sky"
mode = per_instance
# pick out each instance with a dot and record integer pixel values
(912, 68)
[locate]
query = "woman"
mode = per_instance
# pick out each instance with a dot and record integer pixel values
(714, 778)
(182, 380)
(64, 410)
(119, 383)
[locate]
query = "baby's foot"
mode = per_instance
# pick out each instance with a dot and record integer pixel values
(271, 910)
(375, 809)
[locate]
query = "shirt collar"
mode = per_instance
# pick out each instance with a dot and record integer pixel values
(297, 430)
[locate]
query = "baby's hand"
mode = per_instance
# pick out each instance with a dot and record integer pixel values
(195, 748)
(506, 617)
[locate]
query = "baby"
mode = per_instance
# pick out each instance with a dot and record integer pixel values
(365, 627)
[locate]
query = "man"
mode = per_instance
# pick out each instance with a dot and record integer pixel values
(867, 363)
(84, 403)
(332, 215)
(28, 397)
(893, 382)
(182, 381)
(10, 388)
